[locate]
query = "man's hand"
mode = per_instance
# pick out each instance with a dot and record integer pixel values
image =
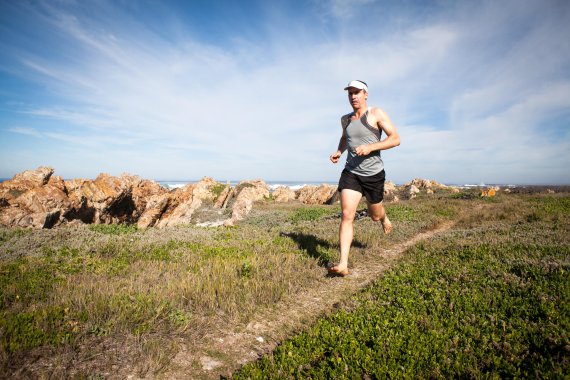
(363, 150)
(335, 156)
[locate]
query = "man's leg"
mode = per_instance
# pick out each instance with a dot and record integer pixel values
(377, 213)
(349, 200)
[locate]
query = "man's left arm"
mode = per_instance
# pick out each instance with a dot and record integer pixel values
(383, 122)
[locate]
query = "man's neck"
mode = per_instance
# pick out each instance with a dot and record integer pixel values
(358, 112)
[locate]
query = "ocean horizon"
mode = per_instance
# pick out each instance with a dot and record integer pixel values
(295, 185)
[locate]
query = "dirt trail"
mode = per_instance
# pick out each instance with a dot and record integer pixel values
(223, 352)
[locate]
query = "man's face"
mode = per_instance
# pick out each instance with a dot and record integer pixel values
(357, 97)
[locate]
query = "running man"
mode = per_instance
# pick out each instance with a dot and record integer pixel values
(363, 173)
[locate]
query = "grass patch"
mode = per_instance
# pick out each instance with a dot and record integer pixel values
(35, 328)
(9, 233)
(310, 214)
(161, 285)
(217, 189)
(400, 213)
(465, 306)
(113, 229)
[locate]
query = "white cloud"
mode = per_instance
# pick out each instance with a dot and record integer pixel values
(344, 10)
(25, 131)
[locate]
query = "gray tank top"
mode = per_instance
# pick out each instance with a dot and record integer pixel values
(359, 132)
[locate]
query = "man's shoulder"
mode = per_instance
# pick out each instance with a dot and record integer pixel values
(345, 119)
(377, 111)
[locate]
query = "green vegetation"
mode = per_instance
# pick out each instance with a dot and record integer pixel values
(311, 214)
(113, 229)
(7, 234)
(471, 304)
(400, 213)
(488, 299)
(217, 189)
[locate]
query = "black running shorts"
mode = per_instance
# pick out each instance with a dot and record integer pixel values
(372, 187)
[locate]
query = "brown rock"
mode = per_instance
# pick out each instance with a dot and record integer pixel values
(58, 183)
(248, 192)
(411, 191)
(203, 189)
(105, 200)
(421, 184)
(283, 194)
(19, 217)
(176, 197)
(31, 178)
(144, 191)
(10, 190)
(230, 196)
(222, 199)
(390, 192)
(154, 208)
(389, 187)
(186, 201)
(45, 219)
(316, 195)
(33, 199)
(43, 199)
(305, 192)
(11, 216)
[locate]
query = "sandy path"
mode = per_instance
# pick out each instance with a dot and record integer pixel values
(223, 352)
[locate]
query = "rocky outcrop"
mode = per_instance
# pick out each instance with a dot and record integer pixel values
(33, 199)
(316, 195)
(30, 179)
(418, 185)
(247, 192)
(425, 184)
(37, 199)
(390, 192)
(411, 191)
(221, 201)
(154, 208)
(185, 202)
(283, 194)
(105, 200)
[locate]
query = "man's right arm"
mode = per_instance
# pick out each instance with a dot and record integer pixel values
(341, 144)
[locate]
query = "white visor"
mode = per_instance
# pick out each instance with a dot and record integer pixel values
(357, 84)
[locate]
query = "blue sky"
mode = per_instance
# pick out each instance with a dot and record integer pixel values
(478, 90)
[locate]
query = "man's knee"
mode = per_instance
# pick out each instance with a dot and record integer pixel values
(376, 212)
(348, 215)
(375, 217)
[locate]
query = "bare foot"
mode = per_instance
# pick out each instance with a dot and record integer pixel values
(386, 225)
(339, 271)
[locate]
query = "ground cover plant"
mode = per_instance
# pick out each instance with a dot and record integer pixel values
(114, 301)
(96, 301)
(491, 298)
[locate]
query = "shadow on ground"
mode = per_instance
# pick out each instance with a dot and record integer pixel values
(315, 247)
